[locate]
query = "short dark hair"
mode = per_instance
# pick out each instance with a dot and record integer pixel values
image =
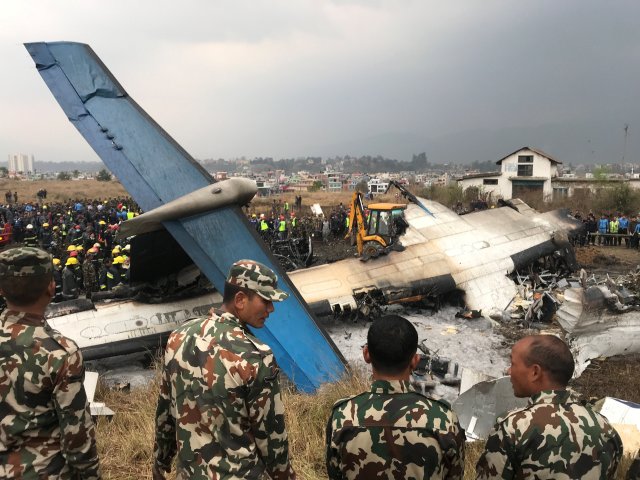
(553, 356)
(230, 291)
(23, 291)
(392, 342)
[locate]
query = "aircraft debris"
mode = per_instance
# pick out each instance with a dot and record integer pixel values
(433, 369)
(624, 416)
(97, 409)
(479, 406)
(600, 320)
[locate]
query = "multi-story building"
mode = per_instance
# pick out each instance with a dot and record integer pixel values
(527, 170)
(19, 163)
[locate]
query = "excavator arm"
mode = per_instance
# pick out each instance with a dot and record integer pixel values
(357, 222)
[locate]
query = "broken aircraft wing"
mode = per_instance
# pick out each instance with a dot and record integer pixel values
(598, 325)
(443, 252)
(155, 170)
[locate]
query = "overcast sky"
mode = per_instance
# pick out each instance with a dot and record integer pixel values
(460, 80)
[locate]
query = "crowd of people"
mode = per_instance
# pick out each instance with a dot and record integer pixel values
(610, 229)
(81, 237)
(280, 222)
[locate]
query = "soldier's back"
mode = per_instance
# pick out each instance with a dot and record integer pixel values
(42, 374)
(394, 432)
(555, 437)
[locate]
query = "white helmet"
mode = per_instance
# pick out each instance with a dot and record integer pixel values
(29, 227)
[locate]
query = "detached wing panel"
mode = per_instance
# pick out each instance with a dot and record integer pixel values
(155, 169)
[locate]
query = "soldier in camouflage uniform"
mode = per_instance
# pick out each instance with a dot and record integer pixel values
(555, 436)
(46, 430)
(219, 407)
(392, 431)
(89, 274)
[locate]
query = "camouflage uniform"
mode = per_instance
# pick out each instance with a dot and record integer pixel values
(393, 431)
(89, 277)
(554, 437)
(46, 430)
(219, 406)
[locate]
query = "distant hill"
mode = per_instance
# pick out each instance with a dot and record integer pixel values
(51, 167)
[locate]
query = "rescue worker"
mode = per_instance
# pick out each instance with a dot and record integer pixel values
(46, 236)
(254, 221)
(46, 429)
(613, 229)
(70, 288)
(112, 275)
(534, 441)
(57, 277)
(219, 408)
(623, 230)
(282, 228)
(264, 227)
(30, 237)
(603, 229)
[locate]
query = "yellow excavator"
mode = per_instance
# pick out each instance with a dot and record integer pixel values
(377, 232)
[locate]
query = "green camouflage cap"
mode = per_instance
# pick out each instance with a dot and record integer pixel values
(257, 277)
(25, 262)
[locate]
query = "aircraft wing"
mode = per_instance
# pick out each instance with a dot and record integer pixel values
(155, 170)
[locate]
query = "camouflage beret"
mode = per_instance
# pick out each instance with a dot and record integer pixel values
(257, 277)
(25, 262)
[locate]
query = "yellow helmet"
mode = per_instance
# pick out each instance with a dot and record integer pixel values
(79, 248)
(102, 222)
(119, 260)
(71, 248)
(45, 225)
(56, 261)
(71, 261)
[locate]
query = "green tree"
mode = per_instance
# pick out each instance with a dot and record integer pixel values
(103, 175)
(64, 176)
(4, 172)
(362, 186)
(316, 187)
(76, 173)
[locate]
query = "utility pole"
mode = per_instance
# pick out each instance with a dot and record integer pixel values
(626, 136)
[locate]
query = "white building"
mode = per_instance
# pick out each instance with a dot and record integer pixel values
(524, 172)
(19, 162)
(377, 186)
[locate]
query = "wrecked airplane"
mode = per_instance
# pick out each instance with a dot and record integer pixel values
(444, 252)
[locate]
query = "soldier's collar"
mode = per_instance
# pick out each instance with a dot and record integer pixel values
(29, 319)
(391, 386)
(550, 396)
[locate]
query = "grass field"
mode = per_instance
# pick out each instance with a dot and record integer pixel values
(126, 443)
(62, 191)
